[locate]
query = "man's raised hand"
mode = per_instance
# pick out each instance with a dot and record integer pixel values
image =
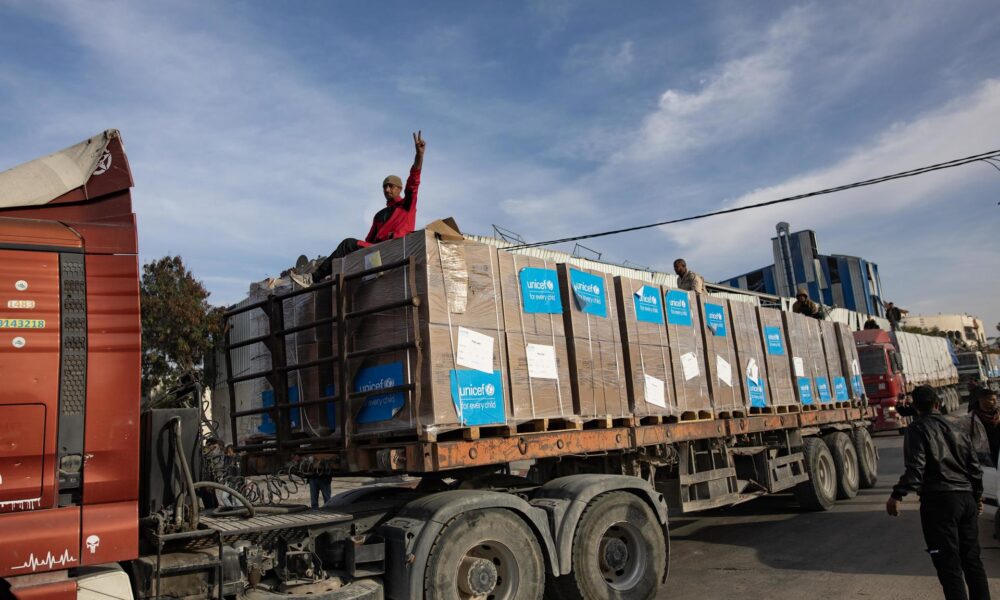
(418, 142)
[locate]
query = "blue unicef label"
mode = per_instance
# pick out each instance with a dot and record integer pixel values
(756, 393)
(859, 386)
(715, 318)
(540, 291)
(478, 397)
(678, 308)
(840, 389)
(588, 290)
(775, 345)
(267, 423)
(385, 406)
(823, 386)
(647, 305)
(805, 390)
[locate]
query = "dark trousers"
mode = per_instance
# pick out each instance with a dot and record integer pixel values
(324, 269)
(950, 521)
(317, 486)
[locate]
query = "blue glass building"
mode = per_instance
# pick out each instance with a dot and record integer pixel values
(837, 280)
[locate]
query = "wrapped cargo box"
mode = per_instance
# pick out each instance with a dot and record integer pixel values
(724, 381)
(850, 366)
(837, 382)
(779, 366)
(805, 346)
(537, 354)
(460, 368)
(687, 354)
(597, 367)
(751, 361)
(649, 379)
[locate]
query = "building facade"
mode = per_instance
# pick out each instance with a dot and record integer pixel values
(837, 280)
(968, 327)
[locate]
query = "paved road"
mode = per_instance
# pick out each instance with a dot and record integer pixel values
(769, 549)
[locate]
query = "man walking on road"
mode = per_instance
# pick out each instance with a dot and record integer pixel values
(942, 467)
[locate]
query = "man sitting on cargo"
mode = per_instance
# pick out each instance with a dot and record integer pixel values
(397, 219)
(688, 280)
(804, 306)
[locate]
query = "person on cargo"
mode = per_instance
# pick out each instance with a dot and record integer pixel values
(397, 219)
(805, 306)
(893, 314)
(942, 467)
(688, 280)
(871, 323)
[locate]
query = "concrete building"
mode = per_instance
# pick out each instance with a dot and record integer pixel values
(837, 280)
(970, 328)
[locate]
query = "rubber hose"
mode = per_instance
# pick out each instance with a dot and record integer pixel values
(248, 506)
(186, 472)
(285, 509)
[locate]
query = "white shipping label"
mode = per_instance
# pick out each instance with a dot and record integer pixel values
(654, 392)
(725, 370)
(371, 261)
(753, 371)
(475, 350)
(689, 362)
(541, 361)
(855, 370)
(800, 369)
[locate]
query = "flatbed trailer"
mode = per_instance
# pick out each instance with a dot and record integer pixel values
(113, 509)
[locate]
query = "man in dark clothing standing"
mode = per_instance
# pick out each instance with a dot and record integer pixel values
(943, 469)
(984, 408)
(397, 219)
(893, 314)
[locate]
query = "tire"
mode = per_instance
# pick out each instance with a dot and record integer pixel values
(614, 522)
(820, 491)
(867, 458)
(488, 553)
(845, 458)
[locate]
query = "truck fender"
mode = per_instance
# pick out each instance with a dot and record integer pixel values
(410, 535)
(565, 499)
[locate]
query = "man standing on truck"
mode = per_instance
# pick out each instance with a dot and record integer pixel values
(942, 467)
(688, 280)
(805, 306)
(894, 315)
(397, 219)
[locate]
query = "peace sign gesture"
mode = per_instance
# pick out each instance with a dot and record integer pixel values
(419, 143)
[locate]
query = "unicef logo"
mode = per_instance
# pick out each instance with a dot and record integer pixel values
(549, 285)
(545, 285)
(489, 388)
(587, 288)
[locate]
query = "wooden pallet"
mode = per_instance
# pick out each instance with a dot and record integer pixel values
(690, 416)
(843, 404)
(780, 409)
(735, 413)
(608, 422)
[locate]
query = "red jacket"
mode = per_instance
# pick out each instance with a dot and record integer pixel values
(399, 216)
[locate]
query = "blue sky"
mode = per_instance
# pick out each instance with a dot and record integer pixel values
(258, 131)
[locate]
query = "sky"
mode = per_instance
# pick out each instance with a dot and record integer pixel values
(259, 131)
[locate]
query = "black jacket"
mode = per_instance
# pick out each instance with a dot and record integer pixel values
(939, 458)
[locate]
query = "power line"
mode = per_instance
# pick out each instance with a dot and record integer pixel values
(985, 157)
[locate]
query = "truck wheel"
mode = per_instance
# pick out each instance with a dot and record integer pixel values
(845, 458)
(485, 554)
(867, 458)
(618, 552)
(820, 491)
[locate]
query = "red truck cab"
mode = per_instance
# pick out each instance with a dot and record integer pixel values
(882, 374)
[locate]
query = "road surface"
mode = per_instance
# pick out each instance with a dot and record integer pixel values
(769, 549)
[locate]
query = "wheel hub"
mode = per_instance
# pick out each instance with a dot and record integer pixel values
(477, 576)
(614, 554)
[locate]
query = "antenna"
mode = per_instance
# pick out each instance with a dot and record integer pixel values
(578, 247)
(507, 235)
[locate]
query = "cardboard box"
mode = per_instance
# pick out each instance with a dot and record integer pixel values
(687, 353)
(849, 364)
(537, 352)
(839, 385)
(649, 380)
(723, 366)
(777, 356)
(805, 344)
(597, 367)
(751, 361)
